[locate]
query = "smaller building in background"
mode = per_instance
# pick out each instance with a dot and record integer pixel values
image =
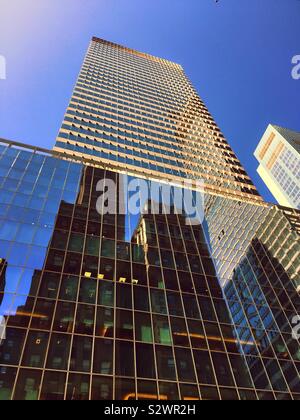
(279, 156)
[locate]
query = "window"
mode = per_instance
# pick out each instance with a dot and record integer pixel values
(64, 317)
(204, 368)
(106, 293)
(35, 349)
(7, 379)
(191, 306)
(174, 303)
(102, 388)
(105, 322)
(28, 385)
(78, 387)
(103, 357)
(49, 285)
(124, 358)
(108, 248)
(85, 320)
(158, 300)
(145, 361)
(58, 354)
(124, 296)
(161, 329)
(141, 299)
(81, 354)
(180, 335)
(92, 246)
(53, 386)
(76, 242)
(184, 364)
(165, 363)
(143, 328)
(222, 369)
(88, 289)
(69, 288)
(124, 325)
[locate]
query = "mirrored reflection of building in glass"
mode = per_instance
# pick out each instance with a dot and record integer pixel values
(142, 304)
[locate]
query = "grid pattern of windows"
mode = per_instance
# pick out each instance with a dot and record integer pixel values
(130, 307)
(289, 185)
(141, 113)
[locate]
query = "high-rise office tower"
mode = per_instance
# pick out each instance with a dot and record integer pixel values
(278, 154)
(170, 298)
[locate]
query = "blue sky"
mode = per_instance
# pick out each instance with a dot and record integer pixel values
(236, 52)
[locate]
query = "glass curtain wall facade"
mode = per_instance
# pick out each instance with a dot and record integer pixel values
(142, 305)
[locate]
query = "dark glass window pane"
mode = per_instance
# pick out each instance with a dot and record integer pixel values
(72, 263)
(102, 388)
(124, 327)
(186, 283)
(165, 363)
(85, 319)
(81, 354)
(64, 317)
(167, 259)
(124, 296)
(175, 305)
(204, 368)
(125, 390)
(143, 327)
(58, 354)
(78, 387)
(184, 364)
(147, 390)
(138, 255)
(88, 289)
(103, 357)
(107, 269)
(139, 274)
(191, 307)
(49, 285)
(180, 335)
(60, 239)
(108, 248)
(10, 350)
(43, 314)
(189, 392)
(155, 278)
(197, 334)
(105, 322)
(158, 300)
(123, 251)
(53, 386)
(90, 266)
(106, 293)
(153, 257)
(55, 261)
(92, 246)
(161, 328)
(171, 281)
(145, 361)
(35, 349)
(222, 369)
(168, 391)
(141, 299)
(69, 288)
(28, 385)
(7, 379)
(229, 394)
(207, 309)
(240, 371)
(124, 358)
(209, 393)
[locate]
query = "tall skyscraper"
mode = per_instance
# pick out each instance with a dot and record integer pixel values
(278, 154)
(179, 291)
